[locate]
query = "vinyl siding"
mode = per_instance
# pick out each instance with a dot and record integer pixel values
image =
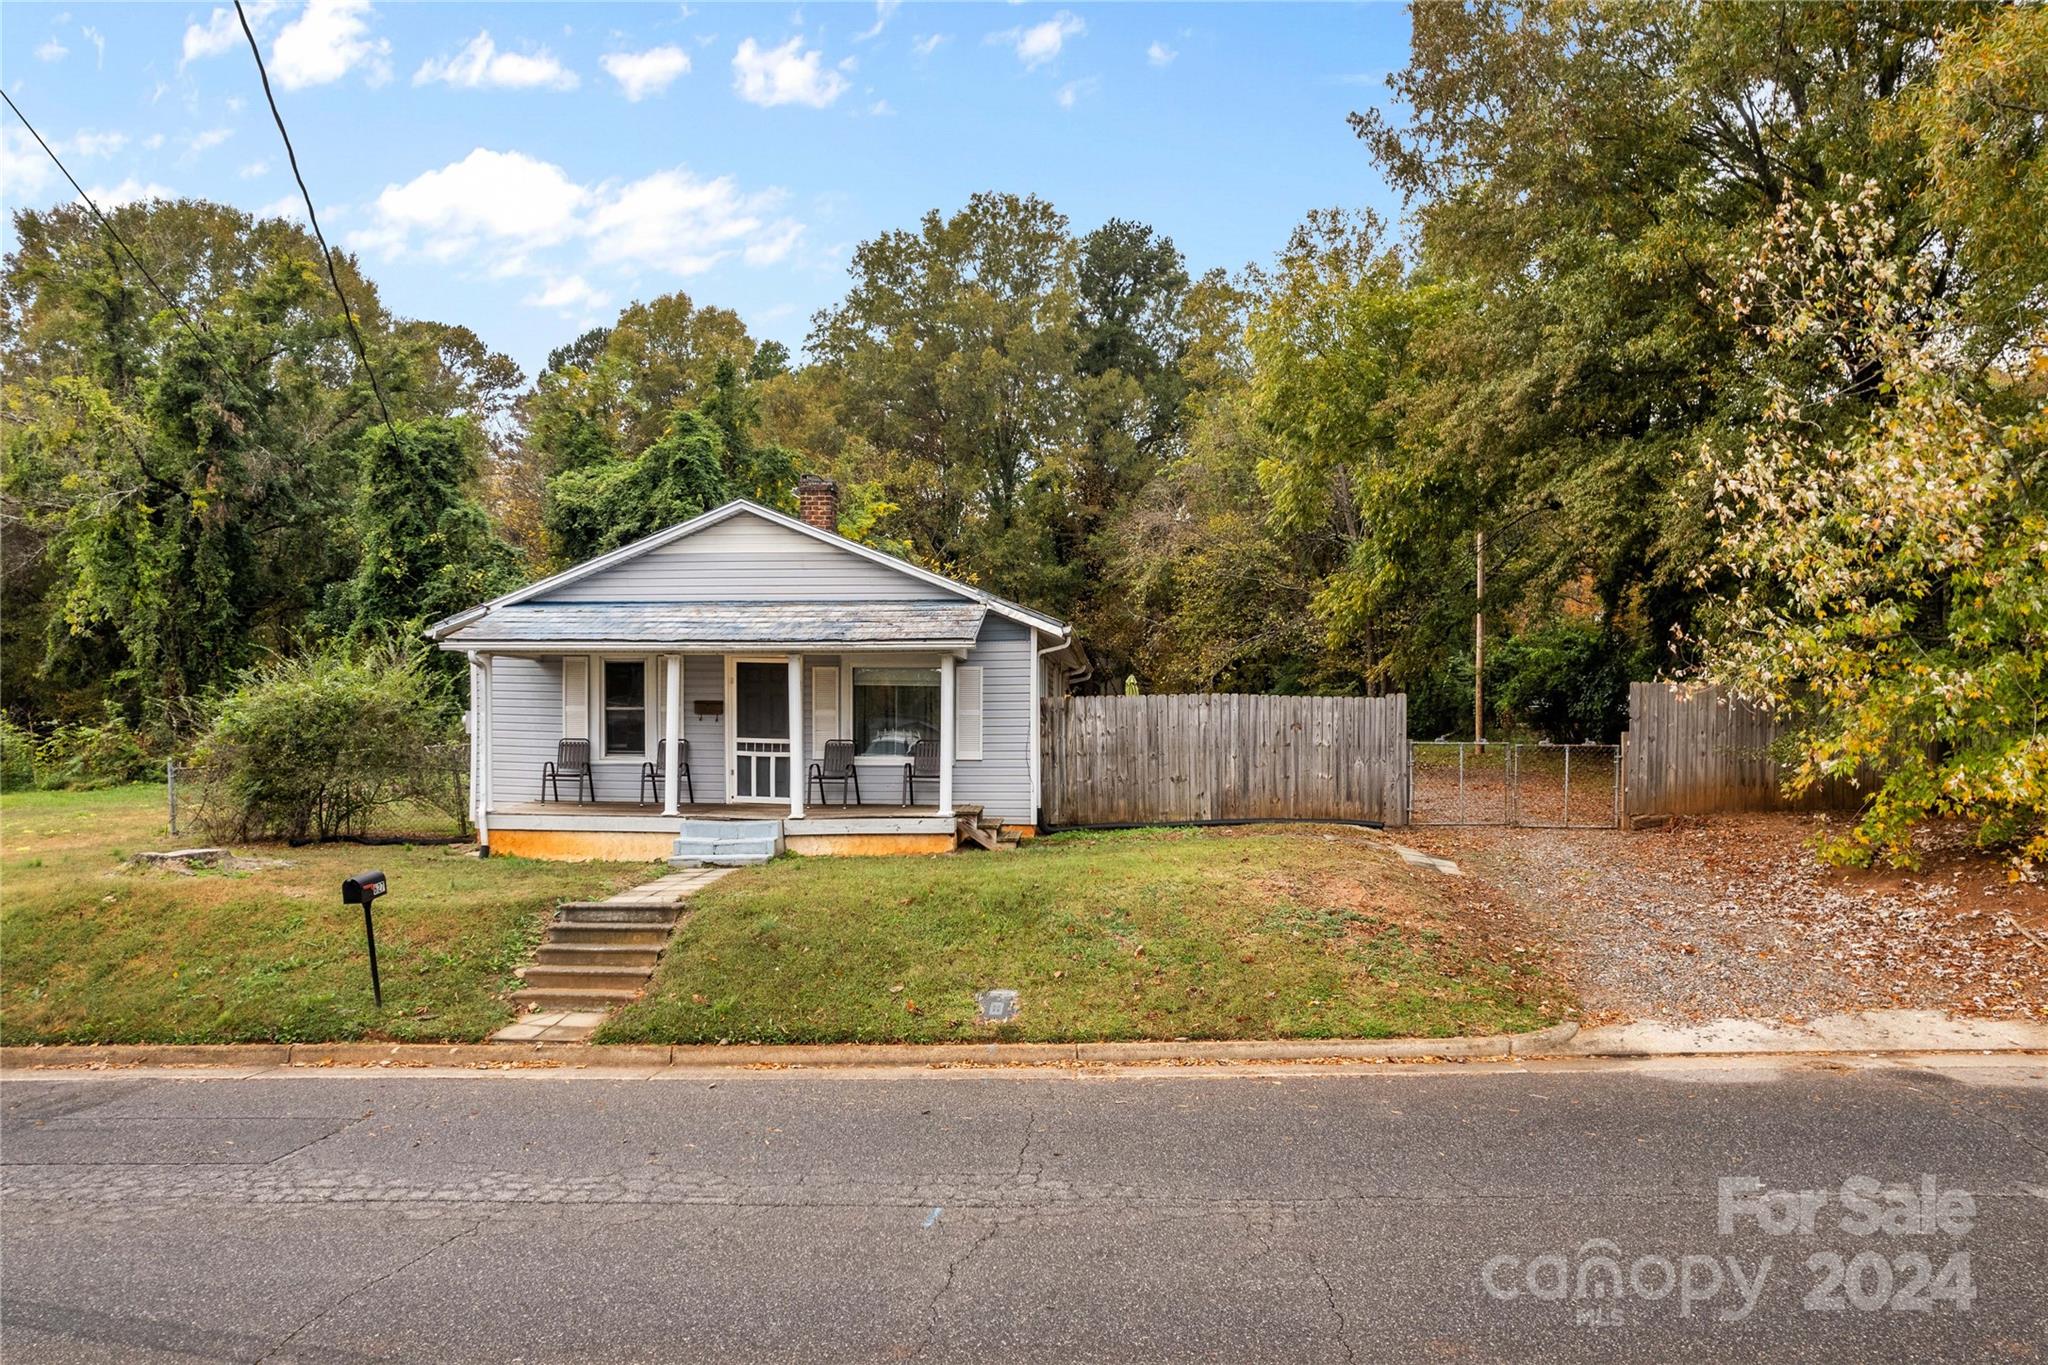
(1000, 780)
(526, 725)
(745, 559)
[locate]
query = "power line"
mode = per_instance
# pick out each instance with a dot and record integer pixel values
(326, 252)
(196, 327)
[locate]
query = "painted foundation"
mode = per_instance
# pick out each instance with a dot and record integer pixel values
(582, 845)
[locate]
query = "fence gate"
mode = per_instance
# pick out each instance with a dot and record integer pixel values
(1533, 786)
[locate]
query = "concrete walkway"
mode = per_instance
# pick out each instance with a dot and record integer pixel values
(576, 1025)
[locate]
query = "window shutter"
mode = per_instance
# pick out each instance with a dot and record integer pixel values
(967, 712)
(824, 709)
(575, 697)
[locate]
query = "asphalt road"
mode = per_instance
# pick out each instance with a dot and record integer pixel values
(1235, 1214)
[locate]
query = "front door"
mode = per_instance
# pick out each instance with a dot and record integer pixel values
(761, 758)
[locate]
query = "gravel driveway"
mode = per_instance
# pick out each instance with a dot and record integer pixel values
(1732, 915)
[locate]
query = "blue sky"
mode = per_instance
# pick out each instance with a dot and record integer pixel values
(528, 169)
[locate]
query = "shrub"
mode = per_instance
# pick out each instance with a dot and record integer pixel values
(17, 757)
(87, 754)
(311, 748)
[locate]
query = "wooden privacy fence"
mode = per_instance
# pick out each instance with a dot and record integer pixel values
(1171, 759)
(1695, 751)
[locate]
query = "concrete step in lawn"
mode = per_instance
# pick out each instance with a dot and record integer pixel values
(570, 934)
(604, 955)
(600, 953)
(615, 915)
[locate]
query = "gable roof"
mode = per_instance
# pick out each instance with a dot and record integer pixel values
(947, 624)
(1001, 606)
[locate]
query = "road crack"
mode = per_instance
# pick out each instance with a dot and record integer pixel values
(368, 1285)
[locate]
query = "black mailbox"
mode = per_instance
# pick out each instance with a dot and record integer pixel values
(363, 888)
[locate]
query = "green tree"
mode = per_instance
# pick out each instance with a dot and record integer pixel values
(427, 549)
(600, 507)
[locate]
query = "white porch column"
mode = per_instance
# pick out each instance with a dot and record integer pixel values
(947, 738)
(797, 767)
(672, 736)
(481, 724)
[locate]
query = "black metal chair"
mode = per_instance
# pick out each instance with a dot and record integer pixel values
(653, 775)
(922, 767)
(571, 760)
(837, 766)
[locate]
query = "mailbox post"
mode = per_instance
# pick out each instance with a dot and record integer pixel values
(363, 889)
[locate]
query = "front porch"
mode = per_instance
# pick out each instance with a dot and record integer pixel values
(630, 830)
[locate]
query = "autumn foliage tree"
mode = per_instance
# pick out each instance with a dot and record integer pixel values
(1881, 537)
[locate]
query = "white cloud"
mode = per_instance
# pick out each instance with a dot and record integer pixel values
(1040, 43)
(481, 66)
(1159, 54)
(85, 142)
(500, 196)
(99, 44)
(254, 169)
(569, 293)
(884, 11)
(129, 191)
(329, 39)
(223, 31)
(1068, 95)
(929, 43)
(784, 75)
(52, 51)
(208, 140)
(674, 220)
(153, 141)
(881, 109)
(25, 172)
(521, 214)
(641, 74)
(780, 240)
(291, 208)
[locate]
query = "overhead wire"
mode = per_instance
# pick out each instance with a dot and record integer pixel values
(313, 218)
(197, 327)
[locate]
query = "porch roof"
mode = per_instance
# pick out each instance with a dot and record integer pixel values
(950, 624)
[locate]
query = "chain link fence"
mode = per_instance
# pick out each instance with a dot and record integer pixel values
(1530, 786)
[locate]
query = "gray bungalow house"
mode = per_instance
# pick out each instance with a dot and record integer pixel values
(747, 641)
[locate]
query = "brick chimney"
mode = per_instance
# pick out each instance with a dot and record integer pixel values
(817, 502)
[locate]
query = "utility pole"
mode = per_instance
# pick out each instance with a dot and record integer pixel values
(1479, 642)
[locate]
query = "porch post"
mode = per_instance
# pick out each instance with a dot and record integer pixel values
(672, 736)
(946, 735)
(797, 767)
(481, 724)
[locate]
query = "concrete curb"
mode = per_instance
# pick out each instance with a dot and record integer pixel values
(653, 1055)
(1558, 1041)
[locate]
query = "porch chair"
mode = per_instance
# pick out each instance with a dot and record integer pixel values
(922, 767)
(837, 766)
(653, 776)
(571, 760)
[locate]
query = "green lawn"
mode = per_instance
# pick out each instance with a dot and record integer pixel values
(1271, 933)
(95, 950)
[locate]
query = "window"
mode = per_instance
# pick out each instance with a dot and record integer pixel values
(893, 708)
(625, 707)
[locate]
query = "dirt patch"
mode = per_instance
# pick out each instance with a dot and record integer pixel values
(1734, 915)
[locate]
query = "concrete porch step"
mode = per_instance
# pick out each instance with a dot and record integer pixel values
(570, 934)
(726, 843)
(602, 912)
(603, 956)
